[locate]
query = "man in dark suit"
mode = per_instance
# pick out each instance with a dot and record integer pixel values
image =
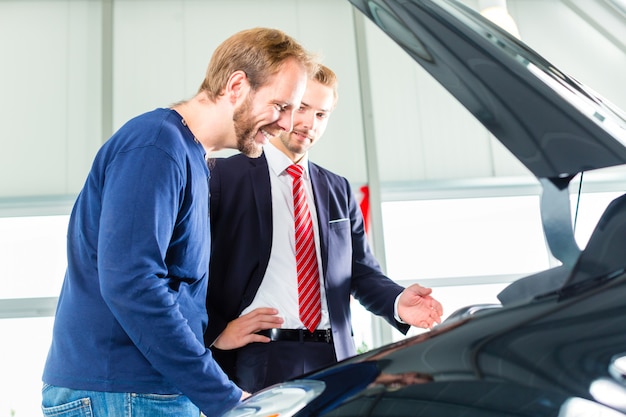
(254, 327)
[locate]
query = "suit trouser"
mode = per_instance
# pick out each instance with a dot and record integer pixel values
(260, 365)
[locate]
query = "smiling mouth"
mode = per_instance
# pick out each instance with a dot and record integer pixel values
(302, 135)
(267, 135)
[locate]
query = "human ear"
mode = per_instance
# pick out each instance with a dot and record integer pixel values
(237, 85)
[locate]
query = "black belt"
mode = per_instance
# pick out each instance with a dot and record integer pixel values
(298, 335)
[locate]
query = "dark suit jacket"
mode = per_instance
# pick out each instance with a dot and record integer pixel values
(241, 230)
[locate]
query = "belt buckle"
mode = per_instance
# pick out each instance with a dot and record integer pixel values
(328, 336)
(274, 335)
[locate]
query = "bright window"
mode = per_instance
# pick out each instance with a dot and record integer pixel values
(32, 265)
(479, 244)
(23, 351)
(463, 237)
(590, 208)
(32, 256)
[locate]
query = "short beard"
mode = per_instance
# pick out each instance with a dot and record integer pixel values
(245, 130)
(294, 148)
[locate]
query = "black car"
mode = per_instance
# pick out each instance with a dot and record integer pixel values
(556, 344)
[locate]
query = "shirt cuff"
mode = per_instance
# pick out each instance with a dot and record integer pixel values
(395, 310)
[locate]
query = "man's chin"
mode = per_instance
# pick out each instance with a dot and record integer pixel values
(252, 149)
(256, 152)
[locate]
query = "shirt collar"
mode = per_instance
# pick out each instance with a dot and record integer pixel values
(278, 161)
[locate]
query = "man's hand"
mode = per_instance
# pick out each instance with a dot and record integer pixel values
(417, 308)
(242, 330)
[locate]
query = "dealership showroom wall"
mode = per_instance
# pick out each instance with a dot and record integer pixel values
(450, 207)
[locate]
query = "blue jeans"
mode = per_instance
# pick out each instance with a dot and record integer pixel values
(65, 402)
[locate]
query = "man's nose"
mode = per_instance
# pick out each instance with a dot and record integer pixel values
(285, 120)
(304, 120)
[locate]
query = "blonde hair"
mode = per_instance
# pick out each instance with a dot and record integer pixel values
(259, 52)
(328, 78)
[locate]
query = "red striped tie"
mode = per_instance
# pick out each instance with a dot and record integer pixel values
(306, 259)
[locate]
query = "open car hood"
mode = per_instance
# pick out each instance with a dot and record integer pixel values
(543, 358)
(553, 124)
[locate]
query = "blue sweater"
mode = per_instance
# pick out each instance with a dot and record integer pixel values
(132, 313)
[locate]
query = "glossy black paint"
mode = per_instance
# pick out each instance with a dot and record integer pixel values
(524, 359)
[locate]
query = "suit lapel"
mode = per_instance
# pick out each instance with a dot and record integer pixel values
(259, 178)
(261, 187)
(319, 182)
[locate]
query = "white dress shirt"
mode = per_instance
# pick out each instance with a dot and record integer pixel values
(279, 288)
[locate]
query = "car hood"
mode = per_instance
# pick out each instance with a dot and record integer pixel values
(554, 125)
(527, 360)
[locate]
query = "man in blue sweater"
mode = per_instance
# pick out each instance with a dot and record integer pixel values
(128, 332)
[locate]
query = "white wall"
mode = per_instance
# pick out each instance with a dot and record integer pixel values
(49, 95)
(51, 108)
(51, 82)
